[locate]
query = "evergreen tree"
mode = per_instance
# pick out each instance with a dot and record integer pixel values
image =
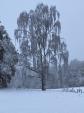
(8, 58)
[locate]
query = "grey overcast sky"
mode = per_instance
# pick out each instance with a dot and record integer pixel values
(72, 20)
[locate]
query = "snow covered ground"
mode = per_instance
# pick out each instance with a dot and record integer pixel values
(36, 101)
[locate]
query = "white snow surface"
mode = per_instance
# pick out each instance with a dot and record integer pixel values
(36, 101)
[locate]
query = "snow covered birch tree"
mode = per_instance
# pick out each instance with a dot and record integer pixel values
(39, 31)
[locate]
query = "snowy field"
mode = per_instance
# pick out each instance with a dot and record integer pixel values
(36, 101)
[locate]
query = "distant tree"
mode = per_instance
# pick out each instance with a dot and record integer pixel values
(76, 73)
(64, 55)
(22, 36)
